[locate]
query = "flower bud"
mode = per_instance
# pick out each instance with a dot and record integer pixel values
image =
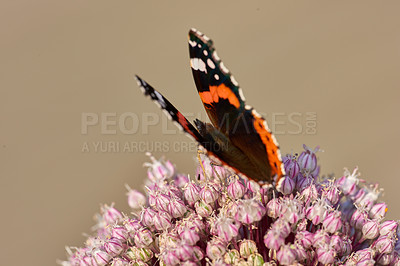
(250, 211)
(305, 238)
(120, 233)
(226, 228)
(358, 219)
(274, 208)
(378, 211)
(113, 247)
(247, 247)
(177, 208)
(143, 238)
(231, 257)
(209, 194)
(332, 222)
(110, 214)
(286, 255)
(236, 188)
(307, 159)
(370, 229)
(192, 192)
(189, 237)
(184, 252)
(147, 217)
(215, 248)
(273, 239)
(388, 227)
(326, 255)
(203, 209)
(135, 199)
(384, 244)
(101, 257)
(255, 259)
(286, 185)
(162, 221)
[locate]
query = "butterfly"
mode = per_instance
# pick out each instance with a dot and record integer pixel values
(237, 136)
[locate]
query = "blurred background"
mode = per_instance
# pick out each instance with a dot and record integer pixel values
(322, 72)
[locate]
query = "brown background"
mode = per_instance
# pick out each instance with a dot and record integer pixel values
(59, 59)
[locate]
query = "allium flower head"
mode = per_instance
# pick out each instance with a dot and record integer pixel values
(220, 218)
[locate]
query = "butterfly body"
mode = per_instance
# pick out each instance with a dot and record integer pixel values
(238, 136)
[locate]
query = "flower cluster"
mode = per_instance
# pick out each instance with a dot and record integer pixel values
(222, 219)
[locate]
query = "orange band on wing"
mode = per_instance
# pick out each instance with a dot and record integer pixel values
(217, 92)
(271, 148)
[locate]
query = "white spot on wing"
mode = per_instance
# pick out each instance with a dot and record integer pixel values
(254, 112)
(216, 76)
(241, 94)
(210, 63)
(274, 140)
(224, 69)
(248, 107)
(216, 57)
(205, 52)
(198, 64)
(160, 99)
(234, 81)
(199, 45)
(192, 43)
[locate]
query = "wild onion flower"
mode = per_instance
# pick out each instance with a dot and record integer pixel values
(219, 218)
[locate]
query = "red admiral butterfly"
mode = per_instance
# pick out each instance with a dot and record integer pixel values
(238, 136)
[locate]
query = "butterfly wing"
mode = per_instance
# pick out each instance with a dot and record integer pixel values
(225, 105)
(170, 110)
(218, 90)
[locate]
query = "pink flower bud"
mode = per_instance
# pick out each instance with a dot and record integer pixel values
(336, 243)
(236, 189)
(192, 192)
(321, 238)
(384, 244)
(317, 212)
(332, 222)
(286, 255)
(120, 232)
(250, 211)
(358, 219)
(135, 199)
(286, 185)
(274, 208)
(101, 257)
(309, 193)
(273, 240)
(189, 237)
(247, 247)
(378, 211)
(147, 217)
(292, 168)
(385, 258)
(181, 180)
(370, 229)
(143, 238)
(305, 238)
(203, 209)
(177, 208)
(388, 227)
(326, 255)
(184, 252)
(226, 228)
(162, 201)
(113, 247)
(209, 194)
(332, 193)
(110, 214)
(216, 248)
(307, 159)
(162, 221)
(197, 254)
(170, 258)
